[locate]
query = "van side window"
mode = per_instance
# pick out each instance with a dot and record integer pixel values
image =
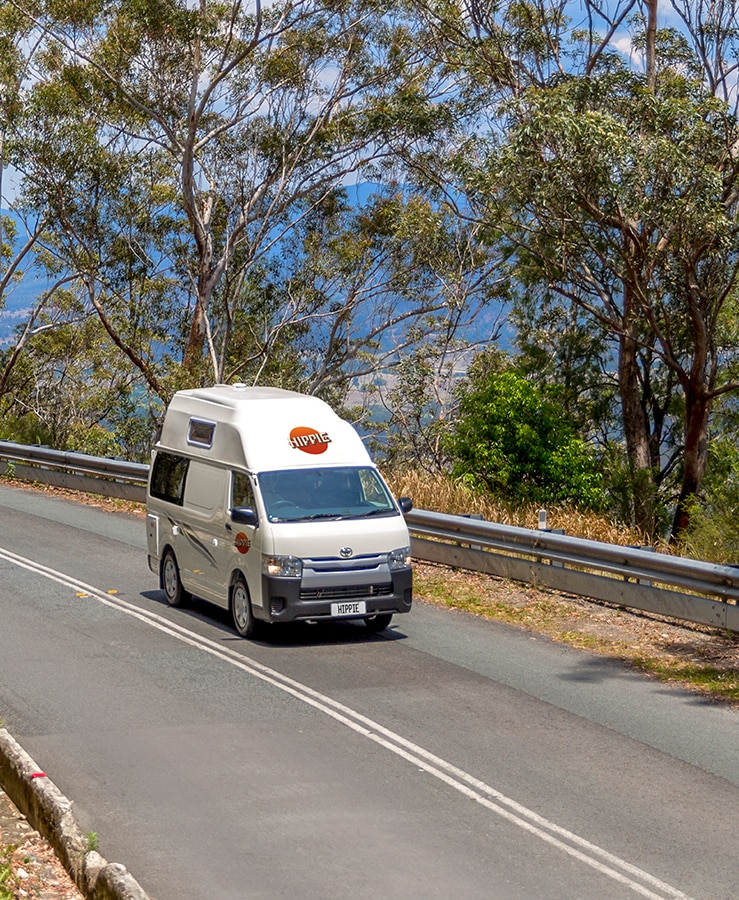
(201, 433)
(168, 477)
(241, 492)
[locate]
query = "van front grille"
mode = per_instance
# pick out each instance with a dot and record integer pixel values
(349, 592)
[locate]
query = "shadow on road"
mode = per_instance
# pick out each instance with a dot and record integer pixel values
(291, 634)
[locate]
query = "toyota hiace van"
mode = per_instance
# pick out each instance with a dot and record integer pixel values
(266, 502)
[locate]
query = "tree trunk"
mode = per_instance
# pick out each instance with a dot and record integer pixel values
(636, 432)
(196, 339)
(651, 48)
(695, 456)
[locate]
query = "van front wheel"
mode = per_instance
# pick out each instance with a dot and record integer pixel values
(172, 583)
(378, 622)
(241, 613)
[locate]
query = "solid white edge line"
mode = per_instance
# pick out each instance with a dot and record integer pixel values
(461, 781)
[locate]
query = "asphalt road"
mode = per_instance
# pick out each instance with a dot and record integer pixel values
(447, 758)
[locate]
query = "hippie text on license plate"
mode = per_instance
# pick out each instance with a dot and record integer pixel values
(349, 608)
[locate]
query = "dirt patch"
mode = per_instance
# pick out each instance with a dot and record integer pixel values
(29, 867)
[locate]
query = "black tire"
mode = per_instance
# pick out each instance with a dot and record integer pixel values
(241, 612)
(171, 582)
(378, 622)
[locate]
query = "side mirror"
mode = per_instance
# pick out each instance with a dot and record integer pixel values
(405, 504)
(244, 515)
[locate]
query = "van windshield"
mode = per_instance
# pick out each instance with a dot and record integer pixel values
(341, 492)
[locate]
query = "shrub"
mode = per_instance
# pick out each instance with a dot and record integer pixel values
(513, 439)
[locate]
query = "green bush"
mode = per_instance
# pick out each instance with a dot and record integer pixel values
(513, 439)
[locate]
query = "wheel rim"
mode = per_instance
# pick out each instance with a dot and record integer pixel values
(241, 606)
(170, 577)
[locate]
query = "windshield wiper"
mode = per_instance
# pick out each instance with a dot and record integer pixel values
(313, 516)
(375, 512)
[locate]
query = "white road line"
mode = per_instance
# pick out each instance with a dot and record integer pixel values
(590, 854)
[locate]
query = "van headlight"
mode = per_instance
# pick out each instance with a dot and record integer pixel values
(400, 558)
(282, 566)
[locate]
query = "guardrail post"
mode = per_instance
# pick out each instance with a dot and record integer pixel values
(480, 518)
(543, 527)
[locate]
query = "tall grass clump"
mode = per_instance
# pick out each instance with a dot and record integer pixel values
(713, 536)
(442, 493)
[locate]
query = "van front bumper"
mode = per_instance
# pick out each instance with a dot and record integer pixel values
(292, 599)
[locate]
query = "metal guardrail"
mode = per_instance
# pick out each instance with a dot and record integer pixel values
(75, 471)
(687, 589)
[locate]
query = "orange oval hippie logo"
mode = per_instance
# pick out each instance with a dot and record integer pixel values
(242, 542)
(309, 440)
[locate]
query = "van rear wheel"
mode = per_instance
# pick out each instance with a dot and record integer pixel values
(171, 581)
(378, 622)
(241, 611)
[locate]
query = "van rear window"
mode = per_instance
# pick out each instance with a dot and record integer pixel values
(168, 477)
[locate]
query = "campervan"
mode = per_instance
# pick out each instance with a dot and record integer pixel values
(265, 502)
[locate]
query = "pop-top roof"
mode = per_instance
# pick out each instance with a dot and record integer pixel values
(259, 428)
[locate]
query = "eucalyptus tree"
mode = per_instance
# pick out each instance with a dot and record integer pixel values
(361, 296)
(18, 235)
(251, 116)
(641, 231)
(603, 159)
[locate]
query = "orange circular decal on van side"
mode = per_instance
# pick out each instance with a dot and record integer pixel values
(242, 542)
(309, 440)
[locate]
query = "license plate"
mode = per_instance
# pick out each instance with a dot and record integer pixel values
(349, 608)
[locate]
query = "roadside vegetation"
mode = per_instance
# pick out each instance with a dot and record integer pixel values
(6, 873)
(503, 239)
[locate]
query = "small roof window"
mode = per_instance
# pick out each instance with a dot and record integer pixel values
(201, 433)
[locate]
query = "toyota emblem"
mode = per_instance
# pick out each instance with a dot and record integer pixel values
(346, 552)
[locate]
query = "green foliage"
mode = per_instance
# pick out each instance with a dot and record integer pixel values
(71, 392)
(21, 426)
(614, 198)
(5, 872)
(713, 534)
(559, 344)
(413, 413)
(515, 440)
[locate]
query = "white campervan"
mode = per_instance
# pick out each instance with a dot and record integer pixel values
(266, 502)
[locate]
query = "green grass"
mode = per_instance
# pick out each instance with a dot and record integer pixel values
(5, 873)
(718, 683)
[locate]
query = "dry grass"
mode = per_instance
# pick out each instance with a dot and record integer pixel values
(443, 494)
